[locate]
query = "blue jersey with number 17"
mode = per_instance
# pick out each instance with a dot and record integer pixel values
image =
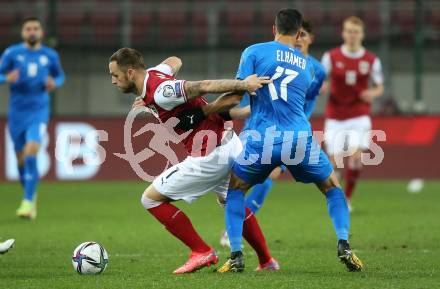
(281, 103)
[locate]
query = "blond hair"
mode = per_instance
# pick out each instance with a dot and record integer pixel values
(355, 20)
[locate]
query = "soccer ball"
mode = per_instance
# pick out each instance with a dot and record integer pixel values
(90, 258)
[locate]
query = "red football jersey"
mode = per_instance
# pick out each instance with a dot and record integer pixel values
(165, 97)
(349, 74)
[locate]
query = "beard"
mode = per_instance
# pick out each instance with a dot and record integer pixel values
(130, 88)
(32, 40)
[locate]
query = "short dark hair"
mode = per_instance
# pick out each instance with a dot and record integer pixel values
(30, 19)
(288, 21)
(307, 26)
(128, 58)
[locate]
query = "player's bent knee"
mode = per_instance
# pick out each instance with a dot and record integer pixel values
(275, 174)
(31, 148)
(329, 183)
(149, 203)
(152, 198)
(238, 184)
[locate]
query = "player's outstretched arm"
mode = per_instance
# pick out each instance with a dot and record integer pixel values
(240, 112)
(223, 103)
(174, 62)
(226, 105)
(194, 89)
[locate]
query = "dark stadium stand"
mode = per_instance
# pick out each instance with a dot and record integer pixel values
(185, 22)
(7, 22)
(199, 35)
(69, 26)
(141, 26)
(173, 26)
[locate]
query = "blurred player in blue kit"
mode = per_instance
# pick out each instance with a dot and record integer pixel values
(32, 70)
(278, 115)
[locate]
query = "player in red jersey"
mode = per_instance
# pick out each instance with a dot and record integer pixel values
(210, 156)
(350, 68)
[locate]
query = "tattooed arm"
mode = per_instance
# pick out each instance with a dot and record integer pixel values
(194, 89)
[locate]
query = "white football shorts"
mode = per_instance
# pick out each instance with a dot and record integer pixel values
(347, 135)
(196, 176)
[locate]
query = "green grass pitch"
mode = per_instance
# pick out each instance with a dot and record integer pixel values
(395, 233)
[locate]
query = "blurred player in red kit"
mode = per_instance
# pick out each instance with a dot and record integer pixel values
(350, 69)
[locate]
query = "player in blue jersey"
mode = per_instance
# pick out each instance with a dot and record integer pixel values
(302, 43)
(259, 192)
(32, 70)
(257, 196)
(280, 133)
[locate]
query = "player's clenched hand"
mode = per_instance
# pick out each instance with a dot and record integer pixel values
(50, 84)
(138, 102)
(254, 82)
(12, 76)
(367, 95)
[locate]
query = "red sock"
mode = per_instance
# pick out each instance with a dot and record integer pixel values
(351, 177)
(178, 224)
(254, 236)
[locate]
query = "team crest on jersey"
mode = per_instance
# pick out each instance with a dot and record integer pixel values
(364, 67)
(339, 64)
(20, 57)
(168, 91)
(43, 60)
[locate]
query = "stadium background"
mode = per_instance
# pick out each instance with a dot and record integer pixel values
(394, 227)
(209, 37)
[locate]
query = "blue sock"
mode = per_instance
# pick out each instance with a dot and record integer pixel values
(21, 175)
(259, 192)
(234, 218)
(338, 211)
(30, 177)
